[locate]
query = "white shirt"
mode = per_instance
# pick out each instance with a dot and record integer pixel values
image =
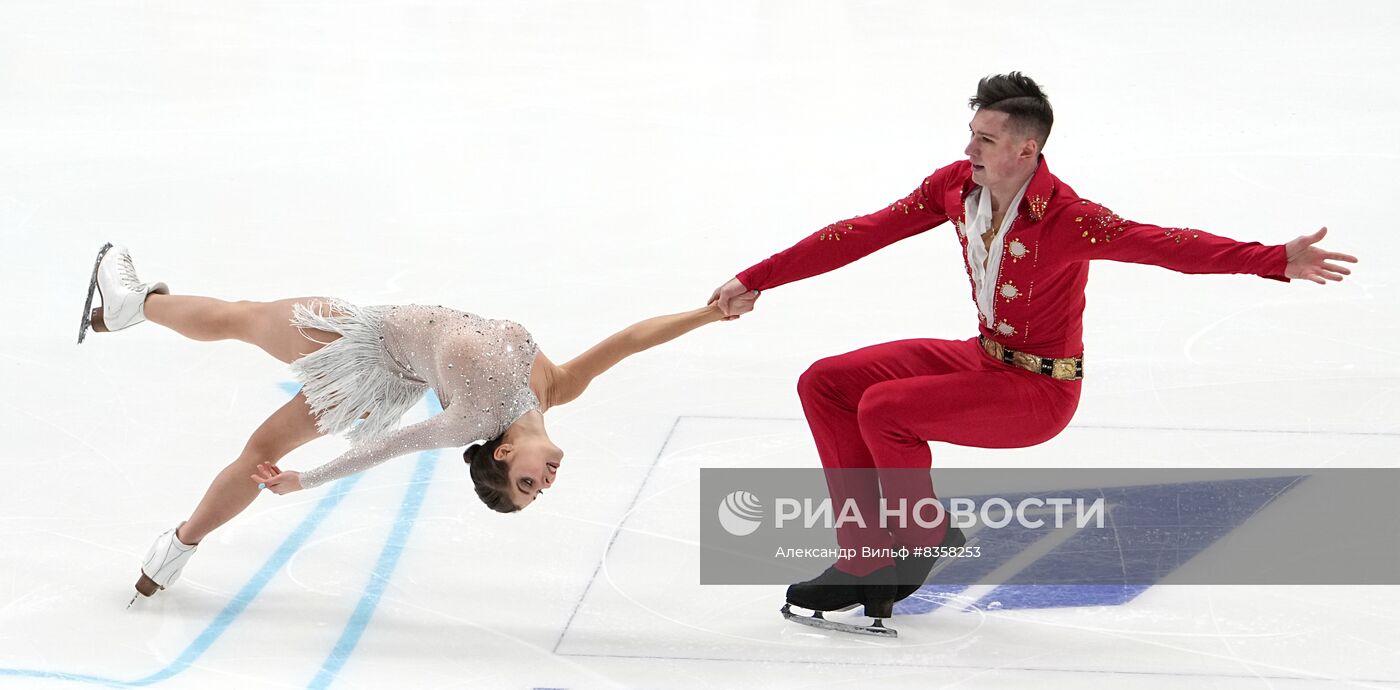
(978, 208)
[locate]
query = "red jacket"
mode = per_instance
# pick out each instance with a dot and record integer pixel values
(1045, 261)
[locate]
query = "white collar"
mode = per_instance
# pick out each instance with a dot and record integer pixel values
(983, 212)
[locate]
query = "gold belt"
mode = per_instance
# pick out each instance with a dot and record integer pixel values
(1060, 369)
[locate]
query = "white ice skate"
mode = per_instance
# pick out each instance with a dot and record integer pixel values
(163, 563)
(123, 294)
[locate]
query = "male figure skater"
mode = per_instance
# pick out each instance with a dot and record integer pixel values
(1027, 241)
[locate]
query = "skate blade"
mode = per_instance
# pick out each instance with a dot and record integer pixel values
(87, 306)
(816, 620)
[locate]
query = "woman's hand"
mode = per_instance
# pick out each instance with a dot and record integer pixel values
(277, 481)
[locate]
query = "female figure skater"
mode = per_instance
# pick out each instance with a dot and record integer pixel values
(361, 368)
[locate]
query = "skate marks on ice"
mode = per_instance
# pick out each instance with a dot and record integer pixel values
(225, 618)
(222, 621)
(644, 601)
(655, 544)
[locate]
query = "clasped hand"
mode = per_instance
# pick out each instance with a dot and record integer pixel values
(733, 299)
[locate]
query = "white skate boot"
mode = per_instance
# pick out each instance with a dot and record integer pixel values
(163, 563)
(123, 294)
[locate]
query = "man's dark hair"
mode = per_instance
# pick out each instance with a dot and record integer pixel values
(491, 476)
(1020, 97)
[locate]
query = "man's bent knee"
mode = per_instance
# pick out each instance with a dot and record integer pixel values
(880, 410)
(818, 377)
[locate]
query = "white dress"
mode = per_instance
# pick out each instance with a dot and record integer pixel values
(386, 359)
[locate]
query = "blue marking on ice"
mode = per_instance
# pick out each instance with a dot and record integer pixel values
(384, 568)
(359, 619)
(231, 611)
(1154, 529)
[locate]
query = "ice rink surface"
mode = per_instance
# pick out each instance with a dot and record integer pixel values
(580, 166)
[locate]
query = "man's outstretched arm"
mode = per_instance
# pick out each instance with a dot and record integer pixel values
(1102, 234)
(841, 243)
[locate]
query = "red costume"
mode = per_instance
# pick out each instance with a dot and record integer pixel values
(879, 406)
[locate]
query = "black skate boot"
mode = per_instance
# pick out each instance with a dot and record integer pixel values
(834, 590)
(914, 571)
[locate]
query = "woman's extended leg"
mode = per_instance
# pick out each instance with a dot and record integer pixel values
(268, 326)
(291, 426)
(264, 324)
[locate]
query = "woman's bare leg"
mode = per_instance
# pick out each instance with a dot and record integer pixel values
(268, 326)
(264, 324)
(232, 491)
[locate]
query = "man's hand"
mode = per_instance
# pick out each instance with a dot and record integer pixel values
(276, 480)
(733, 299)
(1313, 263)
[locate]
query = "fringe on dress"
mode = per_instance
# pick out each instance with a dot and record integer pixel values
(352, 376)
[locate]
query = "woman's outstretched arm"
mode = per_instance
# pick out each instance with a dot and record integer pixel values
(574, 375)
(446, 429)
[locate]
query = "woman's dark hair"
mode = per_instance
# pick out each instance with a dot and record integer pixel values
(1020, 97)
(491, 476)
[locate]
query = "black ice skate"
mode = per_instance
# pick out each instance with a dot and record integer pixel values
(912, 572)
(834, 590)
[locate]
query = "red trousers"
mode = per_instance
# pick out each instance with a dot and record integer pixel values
(879, 406)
